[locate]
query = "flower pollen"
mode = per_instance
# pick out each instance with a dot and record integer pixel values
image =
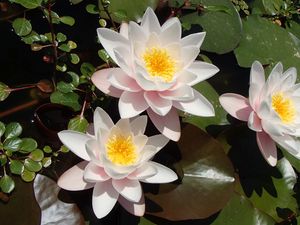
(284, 107)
(121, 150)
(159, 63)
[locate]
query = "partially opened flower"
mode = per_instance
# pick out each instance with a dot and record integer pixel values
(273, 110)
(117, 159)
(157, 70)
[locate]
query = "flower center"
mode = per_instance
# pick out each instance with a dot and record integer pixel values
(284, 107)
(159, 63)
(121, 150)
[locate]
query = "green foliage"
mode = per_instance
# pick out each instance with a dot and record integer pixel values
(29, 4)
(13, 130)
(4, 91)
(68, 99)
(67, 20)
(22, 26)
(78, 123)
(7, 184)
(92, 9)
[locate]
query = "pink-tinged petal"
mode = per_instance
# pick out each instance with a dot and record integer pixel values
(158, 104)
(121, 80)
(144, 83)
(124, 30)
(254, 122)
(100, 80)
(150, 22)
(145, 171)
(136, 33)
(104, 198)
(202, 70)
(132, 104)
(289, 143)
(199, 106)
(182, 93)
(267, 147)
(110, 40)
(236, 105)
(138, 125)
(124, 59)
(257, 81)
(189, 54)
(273, 79)
(171, 31)
(135, 208)
(72, 179)
(93, 149)
(102, 120)
(75, 141)
(163, 175)
(158, 141)
(193, 39)
(129, 189)
(168, 125)
(94, 173)
(116, 171)
(140, 141)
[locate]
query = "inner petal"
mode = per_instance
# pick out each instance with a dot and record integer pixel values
(284, 107)
(159, 63)
(121, 150)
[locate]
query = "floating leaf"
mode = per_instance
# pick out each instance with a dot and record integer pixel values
(7, 184)
(64, 149)
(29, 4)
(2, 128)
(120, 15)
(16, 167)
(13, 129)
(208, 180)
(92, 9)
(102, 22)
(4, 91)
(32, 165)
(37, 155)
(22, 26)
(78, 123)
(67, 20)
(74, 58)
(27, 175)
(28, 144)
(12, 144)
(65, 87)
(67, 99)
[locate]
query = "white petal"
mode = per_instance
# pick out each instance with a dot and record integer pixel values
(102, 120)
(195, 39)
(144, 83)
(115, 171)
(122, 81)
(199, 106)
(146, 170)
(189, 54)
(273, 79)
(93, 148)
(257, 81)
(272, 128)
(72, 179)
(94, 173)
(124, 30)
(158, 141)
(136, 33)
(135, 208)
(123, 59)
(124, 127)
(150, 22)
(75, 141)
(140, 141)
(163, 175)
(138, 125)
(289, 143)
(132, 104)
(168, 125)
(182, 93)
(254, 122)
(129, 189)
(104, 198)
(171, 31)
(158, 104)
(110, 40)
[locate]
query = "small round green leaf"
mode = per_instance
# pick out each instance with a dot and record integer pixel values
(47, 149)
(2, 128)
(28, 144)
(67, 99)
(75, 78)
(72, 44)
(103, 55)
(67, 20)
(102, 22)
(37, 155)
(78, 123)
(64, 47)
(27, 175)
(13, 130)
(64, 149)
(74, 58)
(46, 162)
(61, 67)
(3, 160)
(65, 87)
(7, 184)
(29, 4)
(61, 37)
(22, 26)
(87, 69)
(16, 167)
(92, 9)
(12, 144)
(4, 91)
(32, 165)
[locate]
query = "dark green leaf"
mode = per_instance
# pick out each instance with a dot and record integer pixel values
(7, 184)
(12, 144)
(31, 38)
(78, 123)
(54, 16)
(74, 58)
(64, 47)
(37, 155)
(65, 87)
(67, 20)
(144, 221)
(92, 9)
(13, 130)
(103, 55)
(2, 129)
(61, 37)
(75, 78)
(46, 162)
(87, 69)
(16, 167)
(4, 91)
(32, 165)
(28, 145)
(61, 67)
(67, 99)
(29, 4)
(27, 175)
(3, 159)
(120, 15)
(22, 26)
(219, 8)
(47, 149)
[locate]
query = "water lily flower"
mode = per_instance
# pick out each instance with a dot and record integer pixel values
(116, 160)
(156, 71)
(272, 110)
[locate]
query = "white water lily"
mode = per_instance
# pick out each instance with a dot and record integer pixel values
(156, 71)
(273, 110)
(117, 159)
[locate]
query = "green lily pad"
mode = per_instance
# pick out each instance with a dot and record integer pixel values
(3, 160)
(67, 20)
(65, 87)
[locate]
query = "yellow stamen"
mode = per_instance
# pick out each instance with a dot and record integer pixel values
(284, 107)
(159, 63)
(121, 150)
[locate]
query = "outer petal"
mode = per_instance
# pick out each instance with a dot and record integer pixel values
(132, 104)
(75, 141)
(289, 143)
(129, 189)
(72, 179)
(267, 147)
(135, 208)
(182, 93)
(136, 33)
(193, 39)
(199, 106)
(94, 173)
(138, 125)
(236, 105)
(150, 22)
(120, 80)
(158, 141)
(100, 80)
(163, 175)
(158, 104)
(102, 120)
(124, 30)
(104, 198)
(273, 79)
(189, 54)
(168, 125)
(145, 171)
(257, 81)
(171, 31)
(254, 122)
